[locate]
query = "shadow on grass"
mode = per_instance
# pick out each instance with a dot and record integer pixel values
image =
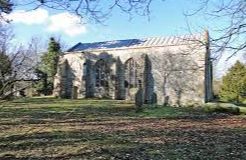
(51, 100)
(53, 116)
(172, 143)
(112, 129)
(46, 114)
(85, 113)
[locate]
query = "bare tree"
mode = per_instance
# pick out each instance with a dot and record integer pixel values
(231, 33)
(17, 64)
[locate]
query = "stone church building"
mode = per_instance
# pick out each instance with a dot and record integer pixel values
(170, 70)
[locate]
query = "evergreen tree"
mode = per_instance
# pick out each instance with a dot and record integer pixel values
(50, 59)
(233, 87)
(42, 85)
(48, 67)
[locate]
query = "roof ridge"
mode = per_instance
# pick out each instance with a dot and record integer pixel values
(176, 36)
(144, 38)
(134, 42)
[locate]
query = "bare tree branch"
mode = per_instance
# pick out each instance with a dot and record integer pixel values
(232, 34)
(15, 64)
(94, 10)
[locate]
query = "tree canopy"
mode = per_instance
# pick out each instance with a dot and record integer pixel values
(233, 87)
(50, 59)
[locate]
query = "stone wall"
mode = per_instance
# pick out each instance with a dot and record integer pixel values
(69, 75)
(181, 74)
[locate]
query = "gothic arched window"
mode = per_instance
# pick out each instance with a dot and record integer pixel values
(102, 73)
(132, 73)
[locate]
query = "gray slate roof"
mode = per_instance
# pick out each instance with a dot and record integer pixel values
(136, 43)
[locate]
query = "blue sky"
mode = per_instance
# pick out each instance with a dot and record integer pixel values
(166, 19)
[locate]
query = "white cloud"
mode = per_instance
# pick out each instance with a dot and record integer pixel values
(65, 22)
(37, 16)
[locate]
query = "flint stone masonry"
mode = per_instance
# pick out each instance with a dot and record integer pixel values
(178, 70)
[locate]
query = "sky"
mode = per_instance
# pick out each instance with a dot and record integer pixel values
(166, 19)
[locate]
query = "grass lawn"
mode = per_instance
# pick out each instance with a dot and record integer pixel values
(48, 128)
